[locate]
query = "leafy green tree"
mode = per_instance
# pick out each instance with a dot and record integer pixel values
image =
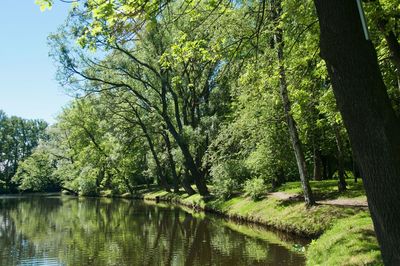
(18, 138)
(36, 173)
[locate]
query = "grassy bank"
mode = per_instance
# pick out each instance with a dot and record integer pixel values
(342, 235)
(350, 241)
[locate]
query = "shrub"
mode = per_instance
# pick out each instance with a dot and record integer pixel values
(254, 188)
(227, 177)
(88, 187)
(87, 182)
(224, 187)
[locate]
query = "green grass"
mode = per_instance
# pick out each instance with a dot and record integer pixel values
(286, 216)
(328, 189)
(350, 241)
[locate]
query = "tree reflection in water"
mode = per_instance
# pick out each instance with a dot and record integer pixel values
(89, 231)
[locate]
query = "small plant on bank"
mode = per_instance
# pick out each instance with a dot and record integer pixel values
(254, 188)
(227, 178)
(224, 187)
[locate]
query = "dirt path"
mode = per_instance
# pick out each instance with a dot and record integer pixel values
(336, 202)
(344, 202)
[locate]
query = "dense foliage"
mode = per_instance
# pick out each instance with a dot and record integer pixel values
(179, 96)
(18, 138)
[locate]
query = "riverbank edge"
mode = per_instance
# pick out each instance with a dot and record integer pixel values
(339, 236)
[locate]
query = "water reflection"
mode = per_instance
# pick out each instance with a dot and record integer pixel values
(72, 231)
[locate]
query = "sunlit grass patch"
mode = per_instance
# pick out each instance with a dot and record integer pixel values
(350, 241)
(328, 189)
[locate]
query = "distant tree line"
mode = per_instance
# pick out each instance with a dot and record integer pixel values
(18, 138)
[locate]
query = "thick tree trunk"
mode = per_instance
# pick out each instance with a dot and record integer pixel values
(342, 186)
(373, 127)
(171, 160)
(394, 48)
(187, 187)
(189, 161)
(183, 145)
(294, 135)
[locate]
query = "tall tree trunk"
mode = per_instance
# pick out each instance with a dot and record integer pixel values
(175, 177)
(390, 37)
(183, 145)
(187, 181)
(318, 167)
(373, 127)
(325, 167)
(189, 161)
(340, 157)
(160, 174)
(294, 135)
(171, 160)
(186, 186)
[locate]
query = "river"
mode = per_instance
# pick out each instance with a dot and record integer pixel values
(64, 230)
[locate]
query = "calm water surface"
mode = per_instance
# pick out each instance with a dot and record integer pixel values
(61, 230)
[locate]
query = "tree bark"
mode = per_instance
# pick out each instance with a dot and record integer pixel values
(187, 181)
(189, 161)
(342, 186)
(373, 127)
(171, 160)
(293, 132)
(183, 145)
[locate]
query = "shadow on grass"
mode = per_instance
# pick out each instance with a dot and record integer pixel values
(326, 189)
(290, 201)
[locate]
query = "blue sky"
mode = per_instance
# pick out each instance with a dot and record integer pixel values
(28, 87)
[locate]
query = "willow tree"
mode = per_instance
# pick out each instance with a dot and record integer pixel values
(162, 62)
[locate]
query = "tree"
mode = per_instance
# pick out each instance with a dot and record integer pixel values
(36, 173)
(276, 13)
(172, 75)
(373, 127)
(18, 138)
